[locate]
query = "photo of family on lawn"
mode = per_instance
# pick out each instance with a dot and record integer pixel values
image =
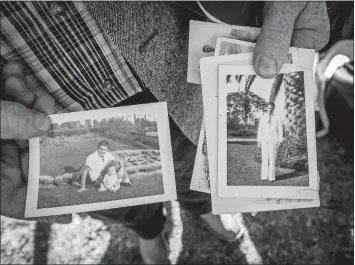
(99, 160)
(267, 131)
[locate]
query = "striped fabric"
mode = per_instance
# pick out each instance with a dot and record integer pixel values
(65, 54)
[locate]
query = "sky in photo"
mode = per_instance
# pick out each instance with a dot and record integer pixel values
(262, 87)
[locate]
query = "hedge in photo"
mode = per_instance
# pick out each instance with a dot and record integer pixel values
(290, 154)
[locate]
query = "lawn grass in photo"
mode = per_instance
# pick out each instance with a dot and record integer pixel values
(245, 108)
(102, 159)
(65, 150)
(266, 134)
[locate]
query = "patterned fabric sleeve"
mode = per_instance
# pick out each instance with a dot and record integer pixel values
(65, 53)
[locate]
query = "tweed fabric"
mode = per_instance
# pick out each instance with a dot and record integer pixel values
(151, 38)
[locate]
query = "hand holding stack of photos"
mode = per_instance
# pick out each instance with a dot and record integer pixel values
(256, 152)
(257, 148)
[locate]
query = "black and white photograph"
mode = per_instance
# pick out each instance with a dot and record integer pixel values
(209, 78)
(227, 168)
(266, 136)
(200, 180)
(226, 46)
(202, 42)
(102, 156)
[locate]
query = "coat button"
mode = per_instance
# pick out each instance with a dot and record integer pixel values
(107, 86)
(57, 9)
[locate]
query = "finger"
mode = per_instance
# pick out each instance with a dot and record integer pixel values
(44, 103)
(16, 86)
(20, 123)
(9, 157)
(275, 37)
(13, 190)
(23, 144)
(24, 162)
(312, 28)
(13, 68)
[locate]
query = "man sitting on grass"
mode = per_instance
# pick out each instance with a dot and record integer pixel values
(95, 163)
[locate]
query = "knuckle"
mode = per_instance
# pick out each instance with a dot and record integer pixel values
(13, 119)
(278, 39)
(11, 83)
(13, 68)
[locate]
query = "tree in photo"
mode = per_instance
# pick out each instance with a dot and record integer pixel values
(241, 105)
(103, 122)
(69, 125)
(88, 124)
(295, 109)
(96, 124)
(295, 106)
(293, 151)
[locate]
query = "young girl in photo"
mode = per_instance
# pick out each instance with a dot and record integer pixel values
(112, 180)
(115, 176)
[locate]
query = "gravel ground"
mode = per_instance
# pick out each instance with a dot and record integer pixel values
(317, 235)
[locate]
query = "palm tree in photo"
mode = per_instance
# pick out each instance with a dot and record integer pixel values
(246, 100)
(295, 118)
(295, 109)
(275, 89)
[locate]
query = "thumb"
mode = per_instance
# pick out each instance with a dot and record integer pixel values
(275, 37)
(21, 123)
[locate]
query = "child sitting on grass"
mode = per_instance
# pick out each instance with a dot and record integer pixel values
(116, 175)
(112, 180)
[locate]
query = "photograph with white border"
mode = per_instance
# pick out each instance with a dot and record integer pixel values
(202, 42)
(101, 159)
(226, 46)
(209, 74)
(200, 180)
(266, 143)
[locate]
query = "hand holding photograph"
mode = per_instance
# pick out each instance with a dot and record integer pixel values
(209, 75)
(209, 78)
(202, 42)
(101, 159)
(266, 134)
(226, 46)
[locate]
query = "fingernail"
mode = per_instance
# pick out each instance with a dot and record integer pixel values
(267, 66)
(44, 103)
(43, 122)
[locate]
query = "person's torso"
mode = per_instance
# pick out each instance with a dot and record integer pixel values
(111, 179)
(75, 53)
(270, 128)
(98, 163)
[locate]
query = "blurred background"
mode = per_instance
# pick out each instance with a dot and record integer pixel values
(316, 235)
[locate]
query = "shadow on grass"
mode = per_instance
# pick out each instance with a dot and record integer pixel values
(70, 169)
(41, 242)
(290, 175)
(145, 184)
(242, 142)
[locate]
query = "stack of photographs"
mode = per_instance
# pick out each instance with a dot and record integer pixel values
(257, 147)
